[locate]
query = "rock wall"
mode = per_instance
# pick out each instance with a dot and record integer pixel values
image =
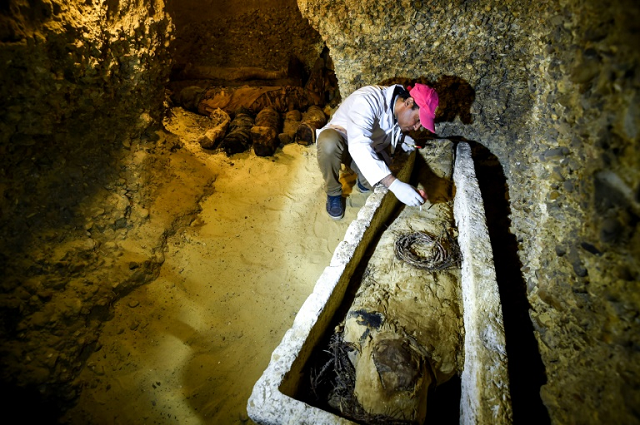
(551, 89)
(238, 33)
(82, 90)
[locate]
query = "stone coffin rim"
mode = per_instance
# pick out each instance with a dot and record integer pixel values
(270, 404)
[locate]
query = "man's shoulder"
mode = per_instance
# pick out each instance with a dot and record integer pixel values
(373, 91)
(374, 88)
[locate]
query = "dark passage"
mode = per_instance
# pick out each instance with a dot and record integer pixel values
(28, 405)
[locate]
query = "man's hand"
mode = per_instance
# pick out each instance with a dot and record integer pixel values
(406, 194)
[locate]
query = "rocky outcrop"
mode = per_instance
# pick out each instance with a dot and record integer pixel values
(81, 98)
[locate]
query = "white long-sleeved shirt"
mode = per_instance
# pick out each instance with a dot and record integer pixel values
(366, 120)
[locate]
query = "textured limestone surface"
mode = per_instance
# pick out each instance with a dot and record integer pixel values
(551, 90)
(78, 146)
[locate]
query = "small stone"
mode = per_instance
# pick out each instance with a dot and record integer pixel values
(133, 303)
(579, 269)
(557, 20)
(556, 175)
(610, 230)
(39, 319)
(590, 248)
(556, 153)
(550, 299)
(98, 370)
(585, 71)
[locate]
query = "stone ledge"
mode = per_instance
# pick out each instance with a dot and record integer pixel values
(485, 397)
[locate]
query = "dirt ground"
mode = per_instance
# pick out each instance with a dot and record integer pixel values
(188, 347)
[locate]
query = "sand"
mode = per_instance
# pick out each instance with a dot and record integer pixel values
(188, 347)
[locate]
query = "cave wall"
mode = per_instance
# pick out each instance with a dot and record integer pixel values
(81, 98)
(551, 89)
(234, 33)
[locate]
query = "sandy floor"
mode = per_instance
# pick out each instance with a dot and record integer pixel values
(189, 347)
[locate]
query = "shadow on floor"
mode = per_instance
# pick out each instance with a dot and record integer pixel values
(28, 405)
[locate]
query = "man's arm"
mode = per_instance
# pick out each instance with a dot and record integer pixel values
(360, 124)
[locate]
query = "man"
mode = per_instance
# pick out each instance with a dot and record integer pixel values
(367, 126)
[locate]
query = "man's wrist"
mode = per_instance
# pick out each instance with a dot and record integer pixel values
(388, 180)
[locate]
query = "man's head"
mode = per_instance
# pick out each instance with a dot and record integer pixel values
(427, 100)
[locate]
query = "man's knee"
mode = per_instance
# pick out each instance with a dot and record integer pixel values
(330, 143)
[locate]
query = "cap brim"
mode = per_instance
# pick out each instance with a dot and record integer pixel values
(426, 119)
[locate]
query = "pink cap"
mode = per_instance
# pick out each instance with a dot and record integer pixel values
(427, 100)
